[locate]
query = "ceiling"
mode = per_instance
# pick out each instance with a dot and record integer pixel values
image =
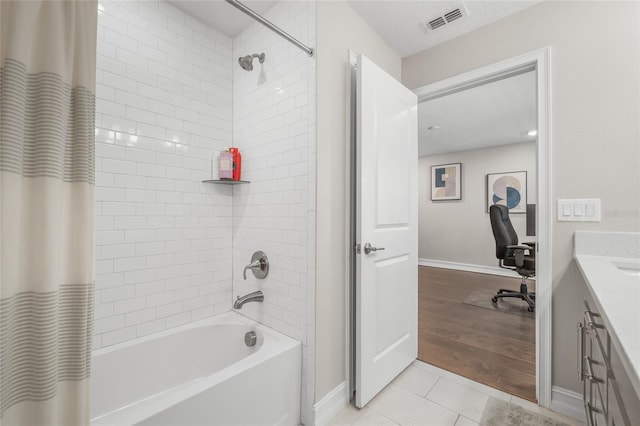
(401, 23)
(494, 114)
(497, 113)
(222, 16)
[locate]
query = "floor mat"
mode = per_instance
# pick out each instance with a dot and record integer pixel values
(501, 413)
(510, 305)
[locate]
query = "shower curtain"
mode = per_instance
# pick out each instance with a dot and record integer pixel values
(47, 104)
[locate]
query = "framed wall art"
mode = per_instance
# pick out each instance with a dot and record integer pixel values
(446, 182)
(508, 189)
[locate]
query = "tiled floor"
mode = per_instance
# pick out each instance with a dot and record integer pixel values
(427, 395)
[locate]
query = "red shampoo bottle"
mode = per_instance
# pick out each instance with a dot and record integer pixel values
(237, 163)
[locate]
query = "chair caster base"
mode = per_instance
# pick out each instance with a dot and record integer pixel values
(526, 297)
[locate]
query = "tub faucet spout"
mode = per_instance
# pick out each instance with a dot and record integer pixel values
(256, 296)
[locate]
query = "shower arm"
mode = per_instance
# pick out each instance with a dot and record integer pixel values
(244, 9)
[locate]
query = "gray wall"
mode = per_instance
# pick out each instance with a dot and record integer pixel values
(339, 29)
(459, 231)
(594, 129)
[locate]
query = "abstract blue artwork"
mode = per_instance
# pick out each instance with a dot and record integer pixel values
(508, 189)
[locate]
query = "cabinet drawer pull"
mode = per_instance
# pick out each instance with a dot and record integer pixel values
(589, 370)
(589, 410)
(580, 335)
(590, 319)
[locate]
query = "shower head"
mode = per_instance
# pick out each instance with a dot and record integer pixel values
(246, 62)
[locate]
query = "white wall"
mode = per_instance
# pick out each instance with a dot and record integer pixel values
(274, 128)
(339, 29)
(595, 108)
(459, 231)
(163, 104)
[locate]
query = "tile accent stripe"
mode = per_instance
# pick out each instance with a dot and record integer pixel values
(47, 127)
(45, 338)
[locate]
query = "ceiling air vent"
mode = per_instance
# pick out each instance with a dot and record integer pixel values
(446, 18)
(453, 15)
(436, 23)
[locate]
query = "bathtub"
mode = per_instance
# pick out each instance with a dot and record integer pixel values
(199, 374)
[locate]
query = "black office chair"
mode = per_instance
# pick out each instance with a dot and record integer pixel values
(511, 255)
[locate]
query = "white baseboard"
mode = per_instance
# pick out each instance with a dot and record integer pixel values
(567, 402)
(493, 270)
(327, 408)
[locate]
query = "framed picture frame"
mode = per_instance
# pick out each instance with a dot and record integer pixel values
(446, 182)
(508, 189)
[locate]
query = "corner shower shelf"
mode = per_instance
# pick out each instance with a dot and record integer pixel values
(225, 182)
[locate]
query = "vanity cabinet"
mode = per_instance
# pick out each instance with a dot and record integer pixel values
(608, 395)
(626, 407)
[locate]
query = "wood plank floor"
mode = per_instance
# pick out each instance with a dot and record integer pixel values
(490, 347)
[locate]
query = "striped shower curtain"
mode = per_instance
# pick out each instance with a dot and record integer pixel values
(47, 104)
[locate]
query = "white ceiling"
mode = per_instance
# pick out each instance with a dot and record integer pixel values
(494, 114)
(498, 113)
(222, 16)
(401, 23)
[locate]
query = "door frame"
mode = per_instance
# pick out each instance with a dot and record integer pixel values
(540, 60)
(350, 237)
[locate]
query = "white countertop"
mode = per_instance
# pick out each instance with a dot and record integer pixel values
(615, 291)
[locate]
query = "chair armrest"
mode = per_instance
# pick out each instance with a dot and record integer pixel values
(518, 253)
(532, 244)
(520, 247)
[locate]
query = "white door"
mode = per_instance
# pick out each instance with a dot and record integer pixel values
(387, 218)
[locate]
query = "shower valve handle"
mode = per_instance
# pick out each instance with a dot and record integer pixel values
(253, 265)
(259, 266)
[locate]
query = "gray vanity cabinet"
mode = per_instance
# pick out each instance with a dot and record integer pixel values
(608, 395)
(626, 409)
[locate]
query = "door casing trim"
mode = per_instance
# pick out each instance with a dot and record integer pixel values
(540, 60)
(350, 240)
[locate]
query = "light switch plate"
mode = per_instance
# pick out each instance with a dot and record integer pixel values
(579, 210)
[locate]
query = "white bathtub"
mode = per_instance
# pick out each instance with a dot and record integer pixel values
(199, 374)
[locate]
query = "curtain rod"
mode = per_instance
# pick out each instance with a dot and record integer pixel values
(242, 8)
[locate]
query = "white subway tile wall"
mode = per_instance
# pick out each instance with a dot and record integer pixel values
(164, 104)
(274, 128)
(169, 93)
